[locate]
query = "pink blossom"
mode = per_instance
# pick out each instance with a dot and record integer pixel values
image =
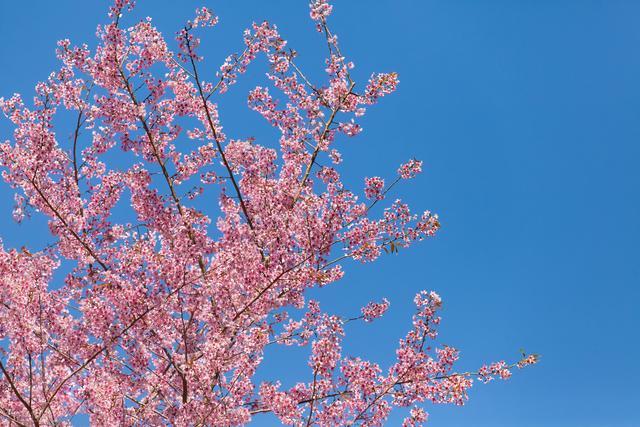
(320, 9)
(335, 156)
(19, 208)
(531, 359)
(410, 169)
(373, 188)
(374, 310)
(379, 85)
(204, 18)
(416, 417)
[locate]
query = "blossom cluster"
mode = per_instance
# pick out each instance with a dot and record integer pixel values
(410, 169)
(374, 310)
(374, 187)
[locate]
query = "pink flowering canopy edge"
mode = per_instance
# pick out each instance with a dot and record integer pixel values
(164, 320)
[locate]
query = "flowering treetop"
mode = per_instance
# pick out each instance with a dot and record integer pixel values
(161, 320)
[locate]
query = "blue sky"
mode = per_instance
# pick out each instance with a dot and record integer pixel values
(526, 114)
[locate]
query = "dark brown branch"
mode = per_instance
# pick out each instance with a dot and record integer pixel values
(321, 139)
(28, 407)
(67, 226)
(313, 395)
(214, 133)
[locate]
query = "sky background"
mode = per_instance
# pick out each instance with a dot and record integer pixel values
(526, 115)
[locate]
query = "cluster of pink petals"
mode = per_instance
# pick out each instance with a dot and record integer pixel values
(410, 169)
(374, 310)
(204, 18)
(373, 188)
(320, 10)
(497, 369)
(416, 417)
(381, 84)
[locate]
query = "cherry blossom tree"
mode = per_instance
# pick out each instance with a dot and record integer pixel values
(164, 319)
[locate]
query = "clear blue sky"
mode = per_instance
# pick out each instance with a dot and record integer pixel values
(526, 114)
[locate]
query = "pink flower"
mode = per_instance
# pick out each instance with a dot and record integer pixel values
(416, 417)
(380, 84)
(19, 209)
(204, 18)
(410, 169)
(374, 310)
(320, 9)
(373, 188)
(531, 359)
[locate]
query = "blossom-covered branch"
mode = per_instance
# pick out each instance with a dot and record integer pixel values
(165, 310)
